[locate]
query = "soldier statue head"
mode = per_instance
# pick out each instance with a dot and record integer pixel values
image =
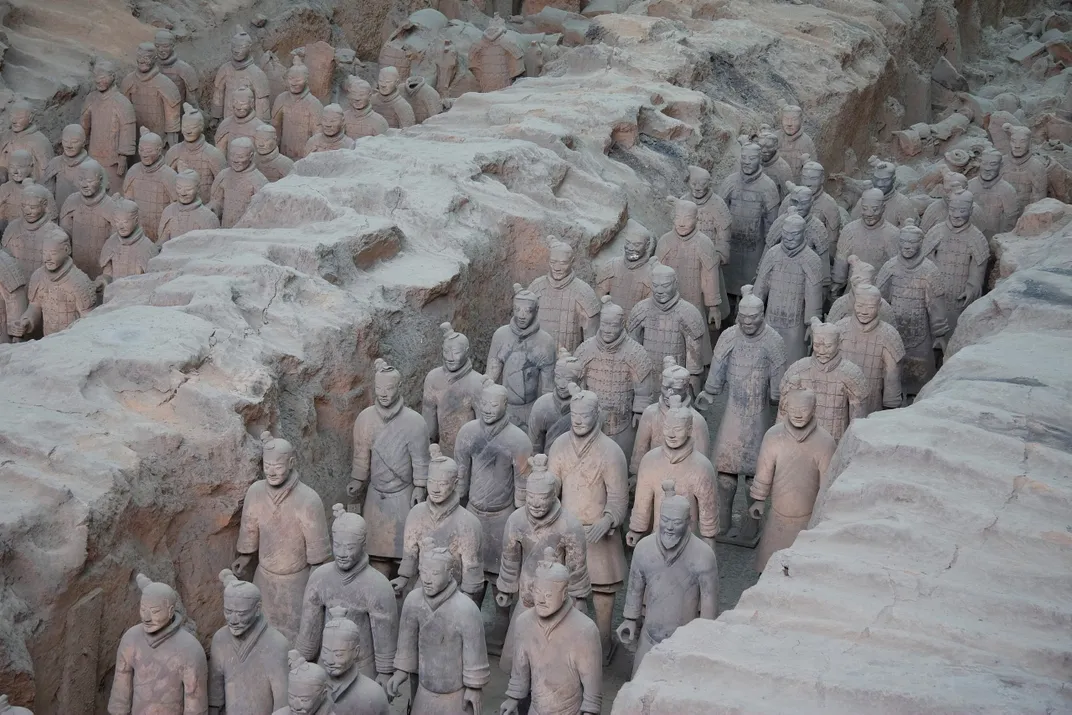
(241, 603)
(872, 207)
(1019, 139)
(677, 426)
(800, 407)
(359, 92)
(567, 369)
(676, 381)
(187, 184)
(297, 74)
(103, 75)
(442, 476)
(193, 123)
(750, 312)
(911, 240)
(813, 175)
(339, 645)
(164, 44)
(455, 349)
(675, 515)
(387, 81)
(22, 116)
(883, 174)
(158, 602)
(125, 217)
(560, 259)
(990, 165)
(436, 568)
(867, 299)
(73, 140)
(800, 197)
(240, 154)
(663, 283)
(243, 101)
(265, 139)
(637, 246)
(332, 121)
(792, 119)
(34, 201)
(768, 144)
(699, 182)
(492, 406)
(348, 533)
(953, 182)
(825, 341)
(584, 411)
(750, 159)
(685, 213)
(542, 488)
(146, 57)
(241, 46)
(387, 383)
(92, 181)
(277, 459)
(611, 321)
(150, 147)
(860, 272)
(496, 28)
(960, 208)
(549, 589)
(526, 307)
(308, 685)
(20, 166)
(793, 232)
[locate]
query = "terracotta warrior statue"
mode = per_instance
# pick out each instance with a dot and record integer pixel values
(569, 308)
(669, 326)
(871, 238)
(860, 273)
(268, 160)
(20, 175)
(938, 210)
(753, 200)
(693, 256)
(627, 278)
(773, 165)
(795, 145)
(650, 433)
(25, 135)
(422, 97)
(441, 642)
(558, 660)
(790, 283)
(676, 459)
(308, 689)
(151, 183)
(875, 347)
(13, 301)
(792, 468)
(388, 101)
(187, 213)
(108, 118)
(441, 520)
(595, 489)
(961, 252)
(181, 73)
(128, 250)
(522, 356)
(242, 122)
(248, 665)
(813, 176)
(452, 75)
(348, 582)
(196, 152)
(451, 391)
(913, 285)
(160, 668)
(496, 60)
(550, 416)
(749, 362)
(673, 578)
(352, 692)
(390, 467)
(156, 99)
(282, 524)
(296, 112)
(360, 119)
(61, 173)
(816, 236)
(24, 238)
(331, 135)
(896, 207)
(618, 370)
(1023, 169)
(714, 220)
(6, 709)
(235, 186)
(238, 71)
(839, 385)
(997, 207)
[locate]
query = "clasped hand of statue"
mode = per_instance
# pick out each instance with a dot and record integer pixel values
(504, 600)
(705, 399)
(395, 683)
(756, 510)
(714, 317)
(627, 631)
(598, 530)
(419, 495)
(399, 584)
(241, 565)
(632, 538)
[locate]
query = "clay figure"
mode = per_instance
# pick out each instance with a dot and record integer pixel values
(13, 301)
(349, 582)
(813, 176)
(875, 347)
(749, 361)
(669, 326)
(595, 489)
(816, 236)
(714, 220)
(1022, 168)
(24, 238)
(26, 136)
(494, 59)
(296, 112)
(753, 200)
(238, 71)
(422, 97)
(441, 520)
(534, 59)
(6, 709)
(360, 119)
(248, 666)
(394, 52)
(178, 71)
(673, 578)
(558, 660)
(618, 370)
(790, 283)
(128, 250)
(840, 388)
(268, 160)
(676, 459)
(242, 122)
(913, 285)
(938, 210)
(650, 433)
(523, 357)
(196, 152)
(87, 217)
(352, 692)
(795, 145)
(108, 118)
(451, 391)
(774, 166)
(151, 183)
(308, 689)
(160, 668)
(871, 238)
(859, 273)
(441, 642)
(569, 308)
(61, 173)
(453, 78)
(283, 524)
(388, 101)
(550, 415)
(792, 468)
(331, 135)
(693, 256)
(235, 186)
(896, 206)
(997, 207)
(390, 467)
(961, 252)
(627, 278)
(156, 99)
(20, 176)
(187, 213)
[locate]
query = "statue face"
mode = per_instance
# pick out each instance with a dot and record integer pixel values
(636, 249)
(1019, 144)
(265, 142)
(338, 652)
(164, 47)
(803, 203)
(562, 382)
(492, 406)
(125, 222)
(525, 312)
(549, 596)
(792, 238)
(33, 208)
(767, 151)
(21, 119)
(55, 254)
(146, 59)
(240, 49)
(73, 143)
(239, 157)
(242, 104)
(663, 289)
(89, 182)
(749, 162)
(791, 122)
(348, 549)
(813, 180)
(435, 576)
(304, 698)
(698, 186)
(186, 191)
(866, 308)
(331, 124)
(611, 326)
(20, 170)
(559, 266)
(825, 346)
(672, 527)
(277, 466)
(583, 419)
(441, 486)
(990, 167)
(387, 391)
(680, 388)
(455, 355)
(871, 210)
(750, 320)
(684, 222)
(103, 80)
(156, 612)
(386, 83)
(240, 613)
(192, 129)
(883, 183)
(911, 243)
(799, 409)
(297, 81)
(539, 501)
(150, 151)
(676, 432)
(360, 96)
(960, 212)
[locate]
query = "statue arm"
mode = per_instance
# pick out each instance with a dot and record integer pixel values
(510, 563)
(307, 641)
(463, 458)
(494, 368)
(410, 548)
(216, 690)
(1039, 182)
(580, 583)
(616, 478)
(194, 682)
(419, 454)
(707, 503)
(813, 295)
(893, 360)
(248, 529)
(476, 670)
(429, 409)
(32, 316)
(708, 582)
(641, 445)
(473, 565)
(386, 630)
(405, 658)
(521, 473)
(766, 464)
(590, 668)
(361, 463)
(520, 674)
(857, 390)
(317, 536)
(640, 519)
(634, 591)
(122, 698)
(219, 91)
(128, 129)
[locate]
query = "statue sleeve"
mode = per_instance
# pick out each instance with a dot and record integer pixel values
(476, 671)
(857, 389)
(429, 406)
(172, 101)
(473, 563)
(720, 360)
(410, 547)
(616, 479)
(643, 503)
(520, 672)
(463, 458)
(494, 363)
(278, 672)
(776, 358)
(641, 369)
(634, 590)
(521, 472)
(219, 90)
(635, 324)
(642, 443)
(589, 653)
(128, 128)
(307, 641)
(708, 581)
(892, 357)
(122, 698)
(766, 463)
(248, 529)
(762, 284)
(418, 453)
(707, 502)
(317, 537)
(1039, 182)
(362, 458)
(383, 616)
(216, 690)
(408, 632)
(884, 279)
(194, 682)
(580, 583)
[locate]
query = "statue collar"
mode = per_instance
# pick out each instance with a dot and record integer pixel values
(523, 333)
(581, 445)
(1020, 161)
(64, 270)
(829, 366)
(439, 512)
(146, 76)
(668, 305)
(363, 111)
(133, 238)
(155, 166)
(678, 455)
(560, 284)
(340, 685)
(267, 158)
(703, 199)
(751, 178)
(192, 206)
(155, 639)
(689, 235)
(168, 61)
(349, 576)
(549, 518)
(280, 493)
(455, 375)
(95, 199)
(612, 346)
(434, 602)
(495, 428)
(865, 327)
(800, 433)
(73, 161)
(644, 260)
(389, 413)
(239, 66)
(243, 644)
(552, 622)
